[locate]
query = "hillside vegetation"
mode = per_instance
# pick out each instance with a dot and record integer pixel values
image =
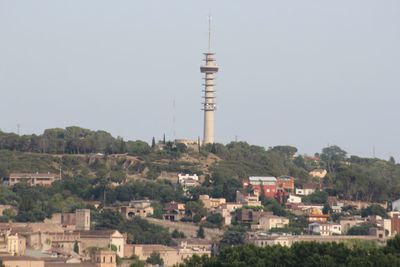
(105, 163)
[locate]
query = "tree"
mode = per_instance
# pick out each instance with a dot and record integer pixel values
(359, 230)
(216, 219)
(233, 236)
(200, 232)
(177, 234)
(326, 209)
(374, 209)
(153, 143)
(154, 259)
(135, 262)
(76, 247)
(318, 197)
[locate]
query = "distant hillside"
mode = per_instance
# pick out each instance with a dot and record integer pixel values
(82, 153)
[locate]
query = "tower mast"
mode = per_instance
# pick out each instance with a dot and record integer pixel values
(209, 69)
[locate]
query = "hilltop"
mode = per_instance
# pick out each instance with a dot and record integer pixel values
(96, 155)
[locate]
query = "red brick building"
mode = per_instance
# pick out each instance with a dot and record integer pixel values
(285, 183)
(260, 184)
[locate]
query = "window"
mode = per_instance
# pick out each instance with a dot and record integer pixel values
(104, 258)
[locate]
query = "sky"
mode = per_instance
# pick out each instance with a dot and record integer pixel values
(303, 73)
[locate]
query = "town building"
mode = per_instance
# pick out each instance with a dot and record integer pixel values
(188, 181)
(347, 223)
(268, 222)
(103, 239)
(211, 203)
(250, 216)
(307, 189)
(11, 243)
(316, 215)
(325, 229)
(293, 199)
(260, 184)
(21, 261)
(171, 255)
(396, 205)
(285, 183)
(174, 211)
(78, 220)
(318, 173)
(44, 179)
(250, 200)
(141, 208)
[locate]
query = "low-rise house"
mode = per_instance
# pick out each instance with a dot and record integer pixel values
(11, 243)
(285, 183)
(211, 203)
(188, 181)
(261, 184)
(293, 199)
(170, 255)
(396, 205)
(45, 179)
(100, 258)
(174, 211)
(335, 204)
(226, 215)
(261, 239)
(316, 215)
(307, 189)
(226, 211)
(347, 223)
(268, 222)
(141, 208)
(318, 173)
(102, 239)
(325, 229)
(250, 216)
(250, 200)
(78, 220)
(395, 222)
(21, 261)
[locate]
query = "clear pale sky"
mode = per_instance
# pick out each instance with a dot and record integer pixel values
(302, 73)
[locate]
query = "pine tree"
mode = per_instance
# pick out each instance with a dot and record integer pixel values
(163, 140)
(76, 247)
(200, 232)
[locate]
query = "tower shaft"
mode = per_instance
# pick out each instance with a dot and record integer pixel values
(209, 68)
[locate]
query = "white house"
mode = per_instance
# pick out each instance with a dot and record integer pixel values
(294, 199)
(325, 229)
(396, 205)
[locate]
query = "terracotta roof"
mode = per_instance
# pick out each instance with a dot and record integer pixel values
(64, 264)
(96, 233)
(19, 258)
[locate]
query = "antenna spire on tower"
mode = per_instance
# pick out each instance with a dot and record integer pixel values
(209, 32)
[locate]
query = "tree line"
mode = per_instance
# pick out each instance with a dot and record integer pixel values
(71, 140)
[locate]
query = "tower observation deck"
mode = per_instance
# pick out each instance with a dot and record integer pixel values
(209, 68)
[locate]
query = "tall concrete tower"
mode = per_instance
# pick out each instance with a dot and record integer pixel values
(209, 68)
